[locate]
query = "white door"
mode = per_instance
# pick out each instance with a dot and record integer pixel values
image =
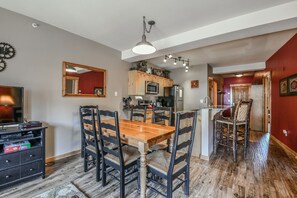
(257, 94)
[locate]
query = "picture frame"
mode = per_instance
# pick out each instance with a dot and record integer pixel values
(283, 87)
(292, 85)
(98, 91)
(194, 84)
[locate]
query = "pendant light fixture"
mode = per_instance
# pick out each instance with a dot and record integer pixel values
(144, 47)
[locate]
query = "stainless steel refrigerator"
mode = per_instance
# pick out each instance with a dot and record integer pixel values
(175, 96)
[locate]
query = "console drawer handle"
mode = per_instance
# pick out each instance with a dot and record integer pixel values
(31, 155)
(7, 176)
(31, 169)
(7, 161)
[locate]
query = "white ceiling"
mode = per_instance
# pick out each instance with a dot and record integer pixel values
(239, 52)
(180, 25)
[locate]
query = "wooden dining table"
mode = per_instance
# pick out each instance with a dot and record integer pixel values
(143, 135)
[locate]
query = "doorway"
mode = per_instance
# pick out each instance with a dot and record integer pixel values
(240, 92)
(267, 102)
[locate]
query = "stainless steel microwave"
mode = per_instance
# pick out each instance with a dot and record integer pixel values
(151, 87)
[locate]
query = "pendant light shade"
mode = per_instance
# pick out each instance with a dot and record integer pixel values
(144, 47)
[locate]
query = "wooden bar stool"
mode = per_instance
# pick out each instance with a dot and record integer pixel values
(226, 129)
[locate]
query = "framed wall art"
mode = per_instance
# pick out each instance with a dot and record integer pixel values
(194, 84)
(98, 91)
(283, 87)
(292, 84)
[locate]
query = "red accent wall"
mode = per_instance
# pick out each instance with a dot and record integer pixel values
(89, 80)
(283, 109)
(232, 81)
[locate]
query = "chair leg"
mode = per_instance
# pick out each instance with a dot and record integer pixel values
(103, 173)
(234, 143)
(85, 161)
(215, 138)
(138, 177)
(122, 183)
(187, 182)
(245, 139)
(169, 187)
(227, 137)
(98, 168)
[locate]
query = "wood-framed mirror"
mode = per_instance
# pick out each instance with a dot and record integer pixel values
(83, 81)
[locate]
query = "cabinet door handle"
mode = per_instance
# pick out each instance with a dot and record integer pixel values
(31, 169)
(7, 176)
(7, 161)
(31, 155)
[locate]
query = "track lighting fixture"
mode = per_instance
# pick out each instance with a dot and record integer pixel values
(185, 62)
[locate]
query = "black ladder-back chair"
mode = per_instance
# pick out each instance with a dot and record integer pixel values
(226, 129)
(171, 166)
(91, 142)
(159, 116)
(81, 109)
(138, 111)
(123, 159)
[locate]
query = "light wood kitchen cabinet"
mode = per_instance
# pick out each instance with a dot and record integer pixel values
(136, 82)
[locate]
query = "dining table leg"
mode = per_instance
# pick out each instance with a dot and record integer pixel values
(143, 148)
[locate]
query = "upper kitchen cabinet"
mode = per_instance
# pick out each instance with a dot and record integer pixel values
(137, 79)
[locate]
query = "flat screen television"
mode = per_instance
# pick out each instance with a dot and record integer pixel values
(11, 105)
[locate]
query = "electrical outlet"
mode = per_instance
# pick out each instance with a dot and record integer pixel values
(285, 132)
(115, 93)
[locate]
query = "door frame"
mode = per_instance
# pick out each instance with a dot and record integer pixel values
(267, 102)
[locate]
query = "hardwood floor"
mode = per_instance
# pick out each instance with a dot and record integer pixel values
(268, 171)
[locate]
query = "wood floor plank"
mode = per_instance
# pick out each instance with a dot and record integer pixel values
(267, 171)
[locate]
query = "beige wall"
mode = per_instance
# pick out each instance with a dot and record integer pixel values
(37, 67)
(192, 96)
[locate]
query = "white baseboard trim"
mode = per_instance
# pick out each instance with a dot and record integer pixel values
(65, 155)
(284, 146)
(207, 158)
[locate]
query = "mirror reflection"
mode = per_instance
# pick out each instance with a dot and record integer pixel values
(82, 80)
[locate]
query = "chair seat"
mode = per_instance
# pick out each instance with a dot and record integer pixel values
(160, 146)
(93, 149)
(231, 121)
(160, 161)
(130, 154)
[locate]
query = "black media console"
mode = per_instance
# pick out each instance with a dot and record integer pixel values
(22, 165)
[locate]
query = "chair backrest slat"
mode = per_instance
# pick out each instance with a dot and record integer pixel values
(160, 114)
(110, 140)
(138, 112)
(183, 145)
(87, 121)
(108, 126)
(187, 132)
(180, 158)
(104, 131)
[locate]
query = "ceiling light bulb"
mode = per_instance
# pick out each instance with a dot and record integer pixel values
(165, 60)
(239, 75)
(186, 70)
(169, 56)
(184, 64)
(187, 67)
(174, 62)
